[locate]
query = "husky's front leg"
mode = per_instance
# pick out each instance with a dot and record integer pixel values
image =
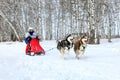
(62, 56)
(80, 54)
(62, 53)
(77, 54)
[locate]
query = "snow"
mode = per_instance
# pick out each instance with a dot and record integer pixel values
(100, 62)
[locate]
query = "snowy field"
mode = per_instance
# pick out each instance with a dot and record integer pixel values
(100, 62)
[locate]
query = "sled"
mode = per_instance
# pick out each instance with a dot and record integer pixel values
(34, 47)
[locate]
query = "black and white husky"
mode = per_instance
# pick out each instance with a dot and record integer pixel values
(65, 45)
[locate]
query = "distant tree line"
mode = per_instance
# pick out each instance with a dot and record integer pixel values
(54, 19)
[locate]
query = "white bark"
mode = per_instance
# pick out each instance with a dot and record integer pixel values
(4, 17)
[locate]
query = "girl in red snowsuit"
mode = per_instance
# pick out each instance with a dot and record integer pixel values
(32, 42)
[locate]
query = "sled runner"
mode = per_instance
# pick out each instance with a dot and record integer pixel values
(34, 47)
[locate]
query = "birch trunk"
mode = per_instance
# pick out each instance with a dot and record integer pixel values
(11, 26)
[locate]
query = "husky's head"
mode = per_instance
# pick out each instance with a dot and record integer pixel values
(84, 39)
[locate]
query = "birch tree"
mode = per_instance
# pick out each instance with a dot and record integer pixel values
(54, 19)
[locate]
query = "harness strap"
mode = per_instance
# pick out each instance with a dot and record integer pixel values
(50, 49)
(83, 47)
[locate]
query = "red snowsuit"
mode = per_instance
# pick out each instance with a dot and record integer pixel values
(34, 46)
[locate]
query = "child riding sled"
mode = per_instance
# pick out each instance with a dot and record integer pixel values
(33, 47)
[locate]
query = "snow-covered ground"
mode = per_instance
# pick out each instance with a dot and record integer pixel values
(100, 62)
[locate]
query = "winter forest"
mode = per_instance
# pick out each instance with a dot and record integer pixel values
(53, 19)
